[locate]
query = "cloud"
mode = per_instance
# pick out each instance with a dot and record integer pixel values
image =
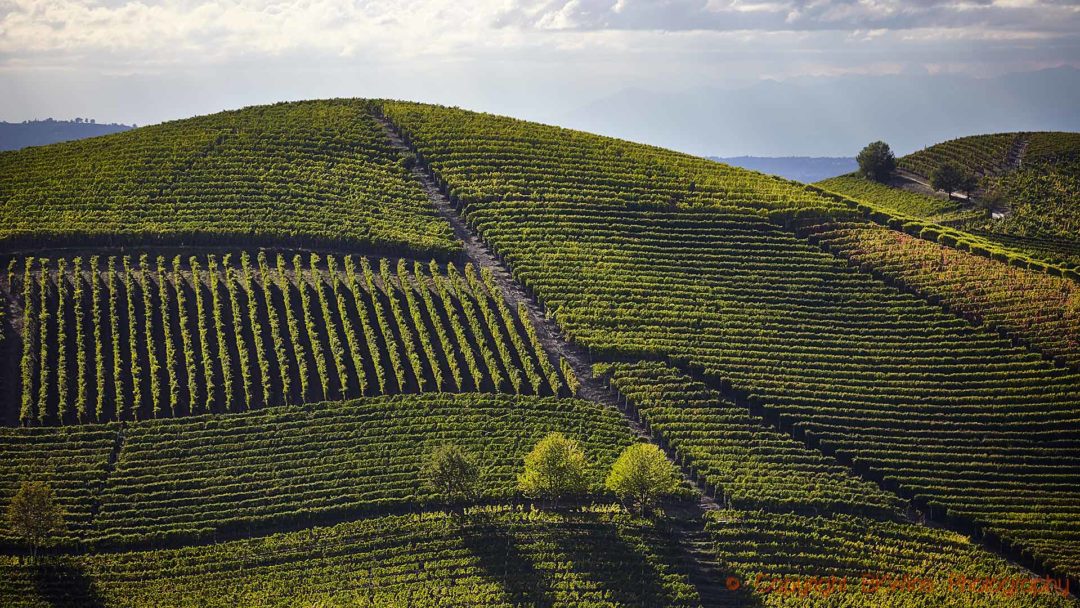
(215, 29)
(146, 33)
(728, 15)
(525, 57)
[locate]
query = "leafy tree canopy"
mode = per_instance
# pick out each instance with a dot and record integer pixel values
(555, 468)
(948, 178)
(643, 474)
(33, 515)
(876, 161)
(452, 472)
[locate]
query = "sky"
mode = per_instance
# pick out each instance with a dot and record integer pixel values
(753, 70)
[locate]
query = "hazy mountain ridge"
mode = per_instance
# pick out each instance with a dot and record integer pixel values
(16, 135)
(805, 169)
(836, 116)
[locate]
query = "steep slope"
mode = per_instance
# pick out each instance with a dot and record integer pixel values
(922, 206)
(203, 477)
(1033, 307)
(706, 282)
(978, 154)
(820, 416)
(499, 557)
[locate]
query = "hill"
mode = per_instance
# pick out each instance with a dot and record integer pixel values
(238, 345)
(17, 135)
(324, 174)
(1030, 181)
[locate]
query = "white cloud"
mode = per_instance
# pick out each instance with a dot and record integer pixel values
(517, 56)
(216, 29)
(141, 32)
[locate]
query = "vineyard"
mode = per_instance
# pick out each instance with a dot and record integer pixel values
(835, 355)
(833, 560)
(978, 154)
(497, 557)
(319, 354)
(131, 338)
(1033, 177)
(186, 480)
(907, 203)
(777, 491)
(751, 466)
(299, 173)
(1040, 309)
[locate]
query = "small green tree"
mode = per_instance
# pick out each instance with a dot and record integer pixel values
(33, 515)
(555, 468)
(949, 179)
(642, 474)
(876, 161)
(452, 472)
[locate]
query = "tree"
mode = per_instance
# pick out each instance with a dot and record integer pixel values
(949, 179)
(876, 161)
(642, 474)
(452, 472)
(556, 467)
(34, 516)
(969, 184)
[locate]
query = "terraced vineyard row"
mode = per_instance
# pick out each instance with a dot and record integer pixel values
(832, 353)
(1050, 146)
(493, 557)
(186, 480)
(119, 338)
(1042, 199)
(1047, 247)
(978, 154)
(1035, 191)
(74, 460)
(799, 528)
(849, 560)
(599, 170)
(967, 230)
(310, 173)
(1040, 309)
(750, 465)
(907, 203)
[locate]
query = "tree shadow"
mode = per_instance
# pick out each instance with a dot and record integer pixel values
(613, 560)
(498, 554)
(624, 566)
(61, 583)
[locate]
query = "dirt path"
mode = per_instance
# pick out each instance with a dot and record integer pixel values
(906, 180)
(707, 576)
(1015, 158)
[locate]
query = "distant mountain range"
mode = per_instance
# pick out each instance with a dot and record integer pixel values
(835, 116)
(16, 135)
(805, 169)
